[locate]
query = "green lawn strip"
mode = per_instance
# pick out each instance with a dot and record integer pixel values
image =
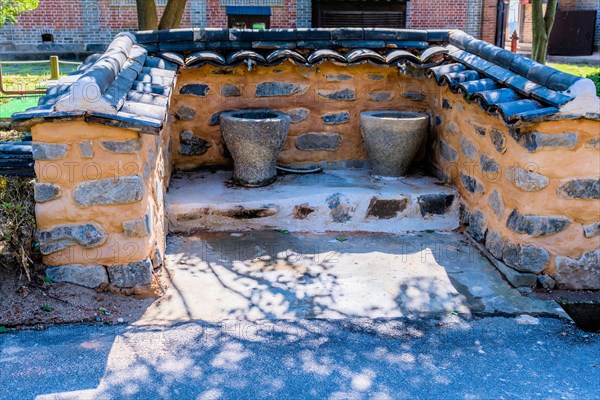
(17, 105)
(587, 71)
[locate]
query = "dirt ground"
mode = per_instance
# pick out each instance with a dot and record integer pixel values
(37, 304)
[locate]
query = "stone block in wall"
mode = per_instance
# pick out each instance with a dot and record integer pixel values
(452, 127)
(230, 90)
(526, 180)
(546, 282)
(467, 148)
(130, 146)
(336, 118)
(313, 141)
(278, 89)
(447, 151)
(494, 244)
(536, 225)
(139, 227)
(488, 164)
(497, 204)
(525, 258)
(340, 95)
(386, 208)
(184, 112)
(498, 140)
(192, 145)
(49, 151)
(43, 192)
(109, 191)
(470, 183)
(86, 149)
(130, 275)
(580, 188)
(338, 77)
(375, 77)
(64, 236)
(592, 230)
(477, 226)
(414, 96)
(91, 276)
(580, 273)
(195, 89)
(380, 96)
(537, 141)
(593, 143)
(297, 115)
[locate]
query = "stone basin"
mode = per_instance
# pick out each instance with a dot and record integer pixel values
(254, 138)
(392, 139)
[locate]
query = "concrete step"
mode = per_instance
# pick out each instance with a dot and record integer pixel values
(336, 201)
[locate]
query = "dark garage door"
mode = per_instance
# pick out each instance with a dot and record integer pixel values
(359, 14)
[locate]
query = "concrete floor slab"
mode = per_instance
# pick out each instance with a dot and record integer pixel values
(335, 200)
(272, 275)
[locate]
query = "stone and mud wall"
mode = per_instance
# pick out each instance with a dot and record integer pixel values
(531, 194)
(99, 202)
(324, 103)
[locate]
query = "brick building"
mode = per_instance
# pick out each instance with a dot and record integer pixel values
(76, 25)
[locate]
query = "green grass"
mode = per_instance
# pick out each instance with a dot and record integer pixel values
(584, 70)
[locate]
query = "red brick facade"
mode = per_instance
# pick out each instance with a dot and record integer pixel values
(437, 14)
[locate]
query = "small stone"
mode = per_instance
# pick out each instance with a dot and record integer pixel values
(344, 94)
(435, 204)
(447, 151)
(593, 143)
(380, 96)
(120, 320)
(302, 211)
(546, 282)
(580, 188)
(536, 141)
(184, 113)
(580, 273)
(498, 140)
(452, 127)
(91, 276)
(130, 146)
(438, 120)
(494, 244)
(470, 183)
(336, 118)
(191, 145)
(340, 208)
(523, 281)
(230, 90)
(338, 77)
(43, 192)
(526, 180)
(488, 164)
(298, 115)
(446, 105)
(527, 320)
(497, 204)
(480, 130)
(477, 226)
(128, 189)
(414, 96)
(137, 228)
(48, 151)
(525, 258)
(278, 89)
(592, 230)
(375, 77)
(536, 225)
(64, 236)
(386, 209)
(313, 141)
(467, 148)
(130, 275)
(86, 149)
(195, 89)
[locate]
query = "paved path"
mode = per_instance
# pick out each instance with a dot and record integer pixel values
(493, 358)
(273, 275)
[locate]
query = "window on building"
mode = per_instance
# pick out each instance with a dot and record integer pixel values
(359, 14)
(248, 17)
(131, 3)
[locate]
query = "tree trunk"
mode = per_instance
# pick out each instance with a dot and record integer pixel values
(541, 28)
(171, 18)
(146, 12)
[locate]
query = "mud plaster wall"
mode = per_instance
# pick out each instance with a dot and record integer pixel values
(476, 151)
(99, 197)
(302, 92)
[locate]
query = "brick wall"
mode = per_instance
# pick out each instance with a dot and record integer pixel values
(281, 17)
(437, 14)
(488, 20)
